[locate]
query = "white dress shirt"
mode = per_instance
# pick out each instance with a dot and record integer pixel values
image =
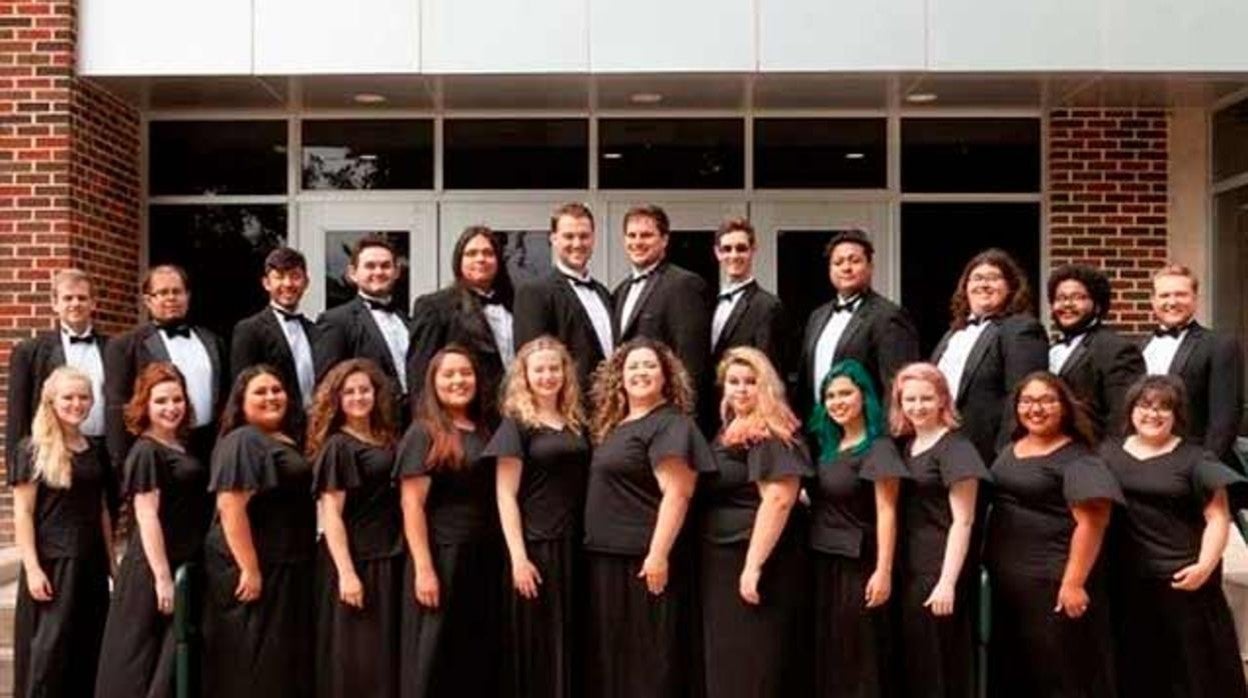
(1159, 353)
(825, 348)
(191, 357)
(85, 356)
(499, 319)
(953, 362)
(640, 277)
(397, 336)
(1060, 352)
(595, 308)
(300, 351)
(729, 296)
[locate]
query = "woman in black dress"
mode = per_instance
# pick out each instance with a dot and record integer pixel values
(1176, 636)
(62, 529)
(640, 575)
(1051, 505)
(938, 571)
(542, 452)
(853, 533)
(360, 566)
(453, 577)
(260, 550)
(171, 509)
(753, 574)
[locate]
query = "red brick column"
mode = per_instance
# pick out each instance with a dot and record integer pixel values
(1108, 200)
(69, 182)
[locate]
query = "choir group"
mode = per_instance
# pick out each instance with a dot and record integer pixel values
(657, 491)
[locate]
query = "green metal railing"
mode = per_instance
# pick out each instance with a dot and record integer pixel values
(983, 633)
(186, 631)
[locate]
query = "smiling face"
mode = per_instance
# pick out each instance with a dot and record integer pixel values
(986, 290)
(286, 287)
(843, 401)
(72, 401)
(643, 375)
(479, 265)
(573, 242)
(741, 389)
(73, 305)
(375, 271)
(166, 407)
(167, 298)
(643, 242)
(544, 371)
(1152, 418)
(735, 253)
(1174, 300)
(1040, 409)
(357, 397)
(264, 402)
(455, 382)
(1071, 303)
(849, 269)
(921, 404)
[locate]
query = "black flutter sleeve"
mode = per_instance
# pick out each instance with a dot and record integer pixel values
(337, 467)
(679, 436)
(412, 453)
(773, 459)
(244, 460)
(143, 471)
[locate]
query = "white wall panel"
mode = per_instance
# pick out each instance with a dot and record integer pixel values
(505, 36)
(164, 37)
(1176, 35)
(332, 36)
(801, 35)
(1014, 34)
(671, 35)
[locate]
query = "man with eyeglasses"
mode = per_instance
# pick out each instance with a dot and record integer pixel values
(1095, 361)
(745, 314)
(196, 351)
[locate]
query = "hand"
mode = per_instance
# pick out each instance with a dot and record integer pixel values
(38, 585)
(940, 601)
(1072, 600)
(249, 586)
(427, 587)
(525, 578)
(1191, 578)
(747, 585)
(654, 571)
(164, 595)
(350, 591)
(879, 588)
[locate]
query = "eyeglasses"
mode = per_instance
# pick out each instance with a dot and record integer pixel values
(1072, 298)
(985, 278)
(1046, 402)
(168, 293)
(1154, 407)
(739, 248)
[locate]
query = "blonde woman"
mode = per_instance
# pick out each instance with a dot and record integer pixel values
(753, 567)
(63, 531)
(542, 452)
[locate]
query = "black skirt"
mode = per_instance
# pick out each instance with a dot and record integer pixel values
(453, 650)
(854, 646)
(1036, 652)
(1175, 643)
(541, 637)
(262, 648)
(56, 643)
(750, 651)
(639, 644)
(937, 654)
(359, 648)
(137, 659)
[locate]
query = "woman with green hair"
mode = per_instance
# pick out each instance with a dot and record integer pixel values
(853, 535)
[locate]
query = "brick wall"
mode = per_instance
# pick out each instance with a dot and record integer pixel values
(1108, 201)
(68, 182)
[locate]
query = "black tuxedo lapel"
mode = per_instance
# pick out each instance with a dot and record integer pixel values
(1195, 334)
(734, 318)
(472, 315)
(364, 317)
(277, 337)
(820, 322)
(155, 346)
(857, 321)
(652, 282)
(976, 356)
(56, 351)
(942, 346)
(1079, 354)
(563, 287)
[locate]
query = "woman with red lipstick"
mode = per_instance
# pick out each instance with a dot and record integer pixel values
(1051, 505)
(1176, 636)
(542, 452)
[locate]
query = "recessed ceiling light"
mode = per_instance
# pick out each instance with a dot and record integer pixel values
(369, 98)
(645, 98)
(612, 156)
(855, 156)
(367, 157)
(921, 97)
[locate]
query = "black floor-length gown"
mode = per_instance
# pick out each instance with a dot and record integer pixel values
(56, 643)
(453, 650)
(748, 650)
(137, 659)
(542, 655)
(1036, 652)
(361, 645)
(263, 648)
(639, 644)
(1170, 643)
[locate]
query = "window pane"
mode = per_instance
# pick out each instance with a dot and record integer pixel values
(338, 244)
(516, 154)
(970, 155)
(695, 250)
(368, 154)
(802, 273)
(1230, 263)
(217, 157)
(671, 153)
(1230, 141)
(953, 233)
(820, 154)
(526, 253)
(223, 249)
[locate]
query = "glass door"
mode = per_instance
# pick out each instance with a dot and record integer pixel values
(692, 243)
(525, 227)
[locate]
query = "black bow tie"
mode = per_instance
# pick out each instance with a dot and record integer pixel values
(176, 329)
(729, 295)
(386, 306)
(578, 281)
(288, 316)
(973, 321)
(847, 306)
(491, 299)
(88, 338)
(1169, 331)
(638, 278)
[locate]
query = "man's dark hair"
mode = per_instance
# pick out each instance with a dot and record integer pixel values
(855, 236)
(1094, 280)
(285, 259)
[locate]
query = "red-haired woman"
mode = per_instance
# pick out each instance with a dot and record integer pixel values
(454, 572)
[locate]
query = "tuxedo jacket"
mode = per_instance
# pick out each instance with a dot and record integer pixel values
(453, 315)
(1009, 348)
(880, 335)
(757, 320)
(550, 306)
(30, 364)
(348, 331)
(1099, 370)
(673, 309)
(260, 339)
(127, 355)
(1212, 369)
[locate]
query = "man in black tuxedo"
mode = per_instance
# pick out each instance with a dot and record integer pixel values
(857, 324)
(196, 351)
(660, 300)
(279, 335)
(745, 314)
(569, 304)
(1095, 361)
(371, 325)
(1209, 363)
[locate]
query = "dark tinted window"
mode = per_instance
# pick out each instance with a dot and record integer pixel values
(1230, 141)
(223, 249)
(937, 240)
(802, 273)
(368, 154)
(338, 244)
(526, 253)
(970, 155)
(695, 250)
(217, 157)
(516, 153)
(671, 153)
(820, 153)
